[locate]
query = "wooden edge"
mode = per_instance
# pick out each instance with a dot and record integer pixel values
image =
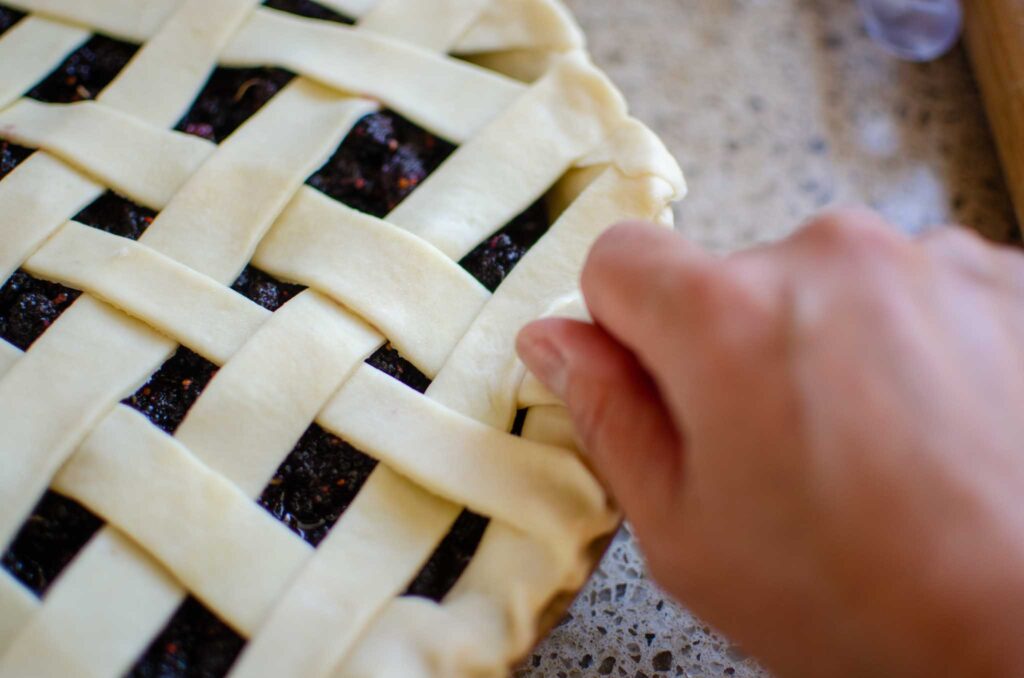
(994, 37)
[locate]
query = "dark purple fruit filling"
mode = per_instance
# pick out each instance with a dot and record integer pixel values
(9, 17)
(85, 73)
(264, 289)
(119, 216)
(308, 9)
(11, 156)
(28, 306)
(389, 361)
(316, 483)
(231, 96)
(450, 559)
(520, 421)
(166, 398)
(382, 160)
(57, 530)
(194, 643)
(494, 259)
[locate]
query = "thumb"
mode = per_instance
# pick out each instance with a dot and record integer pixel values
(622, 422)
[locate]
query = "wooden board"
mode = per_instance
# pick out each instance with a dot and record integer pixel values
(995, 43)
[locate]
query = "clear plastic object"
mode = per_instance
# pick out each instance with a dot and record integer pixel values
(917, 30)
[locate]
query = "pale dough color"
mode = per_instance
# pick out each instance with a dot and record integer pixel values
(532, 116)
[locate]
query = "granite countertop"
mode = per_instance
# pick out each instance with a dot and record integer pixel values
(774, 109)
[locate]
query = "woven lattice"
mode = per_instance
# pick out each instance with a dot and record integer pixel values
(531, 118)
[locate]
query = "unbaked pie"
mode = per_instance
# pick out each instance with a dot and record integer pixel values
(264, 264)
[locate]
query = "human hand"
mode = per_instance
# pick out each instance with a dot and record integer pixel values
(818, 442)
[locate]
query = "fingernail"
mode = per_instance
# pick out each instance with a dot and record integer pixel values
(544, 359)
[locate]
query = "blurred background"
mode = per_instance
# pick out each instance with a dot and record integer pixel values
(774, 108)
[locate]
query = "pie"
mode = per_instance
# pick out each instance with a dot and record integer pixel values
(263, 266)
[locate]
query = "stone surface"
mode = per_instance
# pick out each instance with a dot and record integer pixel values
(623, 625)
(775, 108)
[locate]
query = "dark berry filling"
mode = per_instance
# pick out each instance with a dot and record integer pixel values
(450, 559)
(166, 398)
(308, 9)
(494, 259)
(28, 306)
(316, 483)
(520, 421)
(119, 216)
(264, 289)
(231, 96)
(382, 161)
(57, 530)
(389, 361)
(85, 73)
(11, 156)
(194, 643)
(9, 17)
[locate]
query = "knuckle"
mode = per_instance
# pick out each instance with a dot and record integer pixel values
(855, 232)
(961, 249)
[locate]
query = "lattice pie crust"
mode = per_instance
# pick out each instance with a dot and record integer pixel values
(532, 117)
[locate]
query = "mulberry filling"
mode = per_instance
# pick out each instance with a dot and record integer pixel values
(11, 156)
(264, 289)
(118, 216)
(28, 306)
(9, 17)
(56, 530)
(85, 73)
(450, 559)
(231, 96)
(493, 260)
(380, 162)
(166, 398)
(194, 643)
(316, 483)
(308, 9)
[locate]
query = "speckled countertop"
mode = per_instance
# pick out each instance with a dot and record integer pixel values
(774, 108)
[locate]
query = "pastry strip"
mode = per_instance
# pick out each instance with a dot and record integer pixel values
(9, 354)
(419, 299)
(194, 310)
(451, 98)
(18, 606)
(431, 24)
(545, 491)
(115, 149)
(132, 20)
(521, 25)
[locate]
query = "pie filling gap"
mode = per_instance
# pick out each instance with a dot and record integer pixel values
(85, 72)
(56, 530)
